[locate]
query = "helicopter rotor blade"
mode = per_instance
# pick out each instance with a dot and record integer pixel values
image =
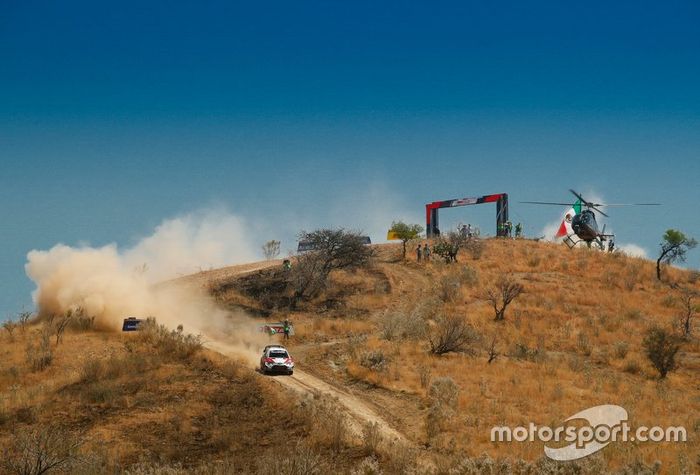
(597, 210)
(545, 203)
(580, 197)
(614, 205)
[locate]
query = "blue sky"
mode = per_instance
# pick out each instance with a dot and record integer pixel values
(293, 115)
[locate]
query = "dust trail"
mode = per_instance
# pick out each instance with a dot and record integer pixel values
(110, 284)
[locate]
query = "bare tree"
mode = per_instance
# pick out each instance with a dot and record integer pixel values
(330, 249)
(23, 319)
(61, 323)
(502, 294)
(452, 334)
(492, 350)
(271, 249)
(688, 310)
(10, 326)
(661, 347)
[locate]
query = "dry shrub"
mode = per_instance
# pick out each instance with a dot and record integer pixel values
(225, 466)
(400, 458)
(406, 323)
(41, 450)
(95, 369)
(298, 460)
(632, 367)
(92, 370)
(484, 464)
(443, 396)
(329, 427)
(583, 344)
(621, 348)
(371, 437)
(660, 348)
(101, 393)
(374, 360)
(425, 375)
(452, 334)
(368, 466)
(448, 288)
(522, 351)
(475, 248)
(444, 392)
(39, 357)
(174, 345)
(10, 328)
(468, 276)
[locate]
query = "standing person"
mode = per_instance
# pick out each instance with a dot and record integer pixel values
(426, 252)
(469, 230)
(418, 253)
(611, 245)
(518, 230)
(285, 328)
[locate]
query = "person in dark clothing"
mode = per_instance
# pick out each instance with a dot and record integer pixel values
(611, 245)
(286, 329)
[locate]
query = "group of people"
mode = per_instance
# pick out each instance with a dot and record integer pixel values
(506, 229)
(423, 253)
(465, 230)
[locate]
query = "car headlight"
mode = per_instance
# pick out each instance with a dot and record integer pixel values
(268, 364)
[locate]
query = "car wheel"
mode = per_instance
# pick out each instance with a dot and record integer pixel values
(291, 372)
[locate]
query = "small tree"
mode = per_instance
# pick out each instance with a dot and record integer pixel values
(405, 232)
(661, 347)
(452, 334)
(502, 294)
(271, 249)
(674, 247)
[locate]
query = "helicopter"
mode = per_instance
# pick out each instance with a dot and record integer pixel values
(582, 222)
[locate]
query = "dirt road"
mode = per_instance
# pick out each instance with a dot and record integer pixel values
(306, 384)
(302, 382)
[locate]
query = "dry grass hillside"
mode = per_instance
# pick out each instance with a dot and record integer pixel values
(571, 340)
(159, 402)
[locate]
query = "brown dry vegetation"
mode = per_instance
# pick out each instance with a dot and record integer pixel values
(571, 340)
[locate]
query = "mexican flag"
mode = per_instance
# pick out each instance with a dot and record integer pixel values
(565, 227)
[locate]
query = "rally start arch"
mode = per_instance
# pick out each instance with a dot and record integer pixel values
(501, 200)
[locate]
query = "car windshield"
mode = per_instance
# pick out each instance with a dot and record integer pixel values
(278, 354)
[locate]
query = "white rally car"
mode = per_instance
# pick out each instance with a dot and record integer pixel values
(276, 359)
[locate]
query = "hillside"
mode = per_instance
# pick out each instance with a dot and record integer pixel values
(367, 393)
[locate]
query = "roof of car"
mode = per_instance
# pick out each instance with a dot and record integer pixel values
(275, 347)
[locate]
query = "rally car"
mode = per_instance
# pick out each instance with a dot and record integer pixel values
(276, 359)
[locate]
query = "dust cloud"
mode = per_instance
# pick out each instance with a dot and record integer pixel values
(111, 284)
